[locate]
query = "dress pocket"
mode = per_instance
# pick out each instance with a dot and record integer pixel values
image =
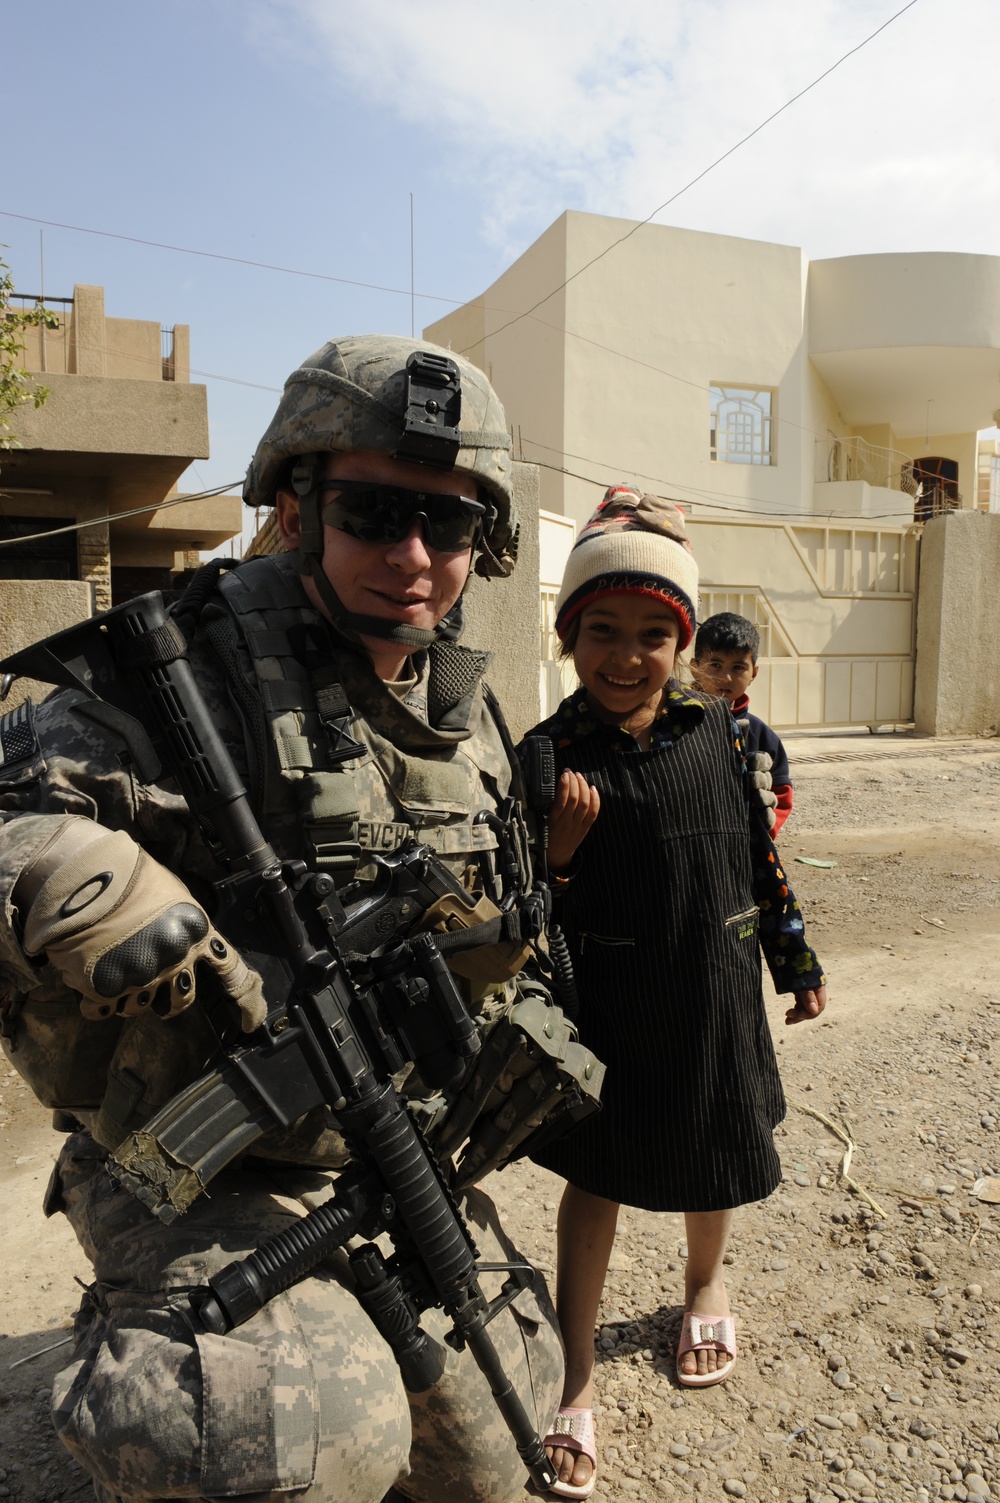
(743, 925)
(604, 942)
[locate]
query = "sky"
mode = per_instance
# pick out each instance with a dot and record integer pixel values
(294, 132)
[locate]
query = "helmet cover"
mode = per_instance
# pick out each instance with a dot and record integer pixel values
(351, 395)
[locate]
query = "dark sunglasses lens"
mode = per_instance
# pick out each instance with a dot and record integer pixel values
(358, 521)
(449, 523)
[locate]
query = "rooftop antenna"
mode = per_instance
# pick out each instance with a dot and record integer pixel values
(41, 292)
(413, 315)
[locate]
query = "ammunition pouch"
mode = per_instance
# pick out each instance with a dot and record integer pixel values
(532, 1079)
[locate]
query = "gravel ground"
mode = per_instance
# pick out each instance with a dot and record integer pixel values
(869, 1362)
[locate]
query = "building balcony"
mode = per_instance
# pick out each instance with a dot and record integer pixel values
(909, 340)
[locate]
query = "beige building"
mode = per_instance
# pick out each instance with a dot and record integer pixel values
(121, 424)
(809, 416)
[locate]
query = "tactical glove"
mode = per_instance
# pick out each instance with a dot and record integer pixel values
(122, 930)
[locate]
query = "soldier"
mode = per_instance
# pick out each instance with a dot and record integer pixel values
(355, 720)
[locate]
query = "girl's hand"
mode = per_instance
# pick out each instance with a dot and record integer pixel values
(808, 1004)
(575, 808)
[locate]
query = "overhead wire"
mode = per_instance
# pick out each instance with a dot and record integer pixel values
(710, 498)
(187, 250)
(526, 313)
(457, 302)
(119, 516)
(408, 292)
(698, 178)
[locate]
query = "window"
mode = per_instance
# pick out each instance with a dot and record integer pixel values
(741, 424)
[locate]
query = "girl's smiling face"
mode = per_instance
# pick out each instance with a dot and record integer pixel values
(625, 653)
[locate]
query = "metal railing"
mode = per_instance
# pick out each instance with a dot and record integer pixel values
(168, 367)
(856, 459)
(36, 300)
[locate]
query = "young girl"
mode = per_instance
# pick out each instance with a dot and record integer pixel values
(667, 883)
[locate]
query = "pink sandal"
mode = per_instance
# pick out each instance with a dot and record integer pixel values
(706, 1332)
(573, 1430)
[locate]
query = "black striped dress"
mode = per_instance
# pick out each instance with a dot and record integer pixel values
(673, 893)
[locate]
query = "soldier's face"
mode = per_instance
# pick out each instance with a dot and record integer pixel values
(407, 581)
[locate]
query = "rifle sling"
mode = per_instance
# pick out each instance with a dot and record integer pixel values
(504, 929)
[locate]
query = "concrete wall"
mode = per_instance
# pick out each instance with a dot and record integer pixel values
(503, 616)
(97, 415)
(88, 343)
(527, 358)
(35, 608)
(958, 627)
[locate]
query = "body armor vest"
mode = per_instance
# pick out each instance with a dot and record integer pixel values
(336, 752)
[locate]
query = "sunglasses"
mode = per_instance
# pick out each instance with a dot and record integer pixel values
(386, 513)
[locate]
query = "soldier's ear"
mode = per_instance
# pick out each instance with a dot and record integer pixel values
(289, 526)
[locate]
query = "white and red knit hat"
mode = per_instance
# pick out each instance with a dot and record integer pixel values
(634, 544)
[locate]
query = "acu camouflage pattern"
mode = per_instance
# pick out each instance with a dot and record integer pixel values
(305, 1397)
(426, 762)
(350, 395)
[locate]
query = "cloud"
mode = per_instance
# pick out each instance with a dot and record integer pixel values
(541, 105)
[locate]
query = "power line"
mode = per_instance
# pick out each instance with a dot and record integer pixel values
(118, 516)
(671, 375)
(659, 370)
(435, 297)
(694, 494)
(704, 173)
(710, 498)
(187, 250)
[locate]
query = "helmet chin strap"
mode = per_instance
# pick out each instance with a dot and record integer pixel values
(352, 623)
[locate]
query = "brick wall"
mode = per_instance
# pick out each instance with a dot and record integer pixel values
(94, 552)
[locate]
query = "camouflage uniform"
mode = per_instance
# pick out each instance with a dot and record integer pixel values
(305, 1397)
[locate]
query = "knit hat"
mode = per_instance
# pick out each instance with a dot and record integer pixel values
(634, 544)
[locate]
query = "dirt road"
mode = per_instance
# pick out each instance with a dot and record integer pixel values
(869, 1329)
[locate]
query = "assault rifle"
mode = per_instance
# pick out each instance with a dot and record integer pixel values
(336, 1031)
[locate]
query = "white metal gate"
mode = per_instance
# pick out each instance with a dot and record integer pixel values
(835, 604)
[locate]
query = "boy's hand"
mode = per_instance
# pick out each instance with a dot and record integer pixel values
(808, 1004)
(575, 808)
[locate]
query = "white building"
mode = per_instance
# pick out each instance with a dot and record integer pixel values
(805, 414)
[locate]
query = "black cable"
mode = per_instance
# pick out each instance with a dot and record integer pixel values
(704, 173)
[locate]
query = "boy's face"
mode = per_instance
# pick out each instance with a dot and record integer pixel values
(727, 673)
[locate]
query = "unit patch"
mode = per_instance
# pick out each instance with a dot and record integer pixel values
(20, 753)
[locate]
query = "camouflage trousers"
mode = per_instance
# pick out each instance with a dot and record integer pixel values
(305, 1399)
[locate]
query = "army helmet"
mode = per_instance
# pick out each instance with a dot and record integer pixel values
(403, 398)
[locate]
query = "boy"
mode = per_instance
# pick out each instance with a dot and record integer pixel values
(725, 662)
